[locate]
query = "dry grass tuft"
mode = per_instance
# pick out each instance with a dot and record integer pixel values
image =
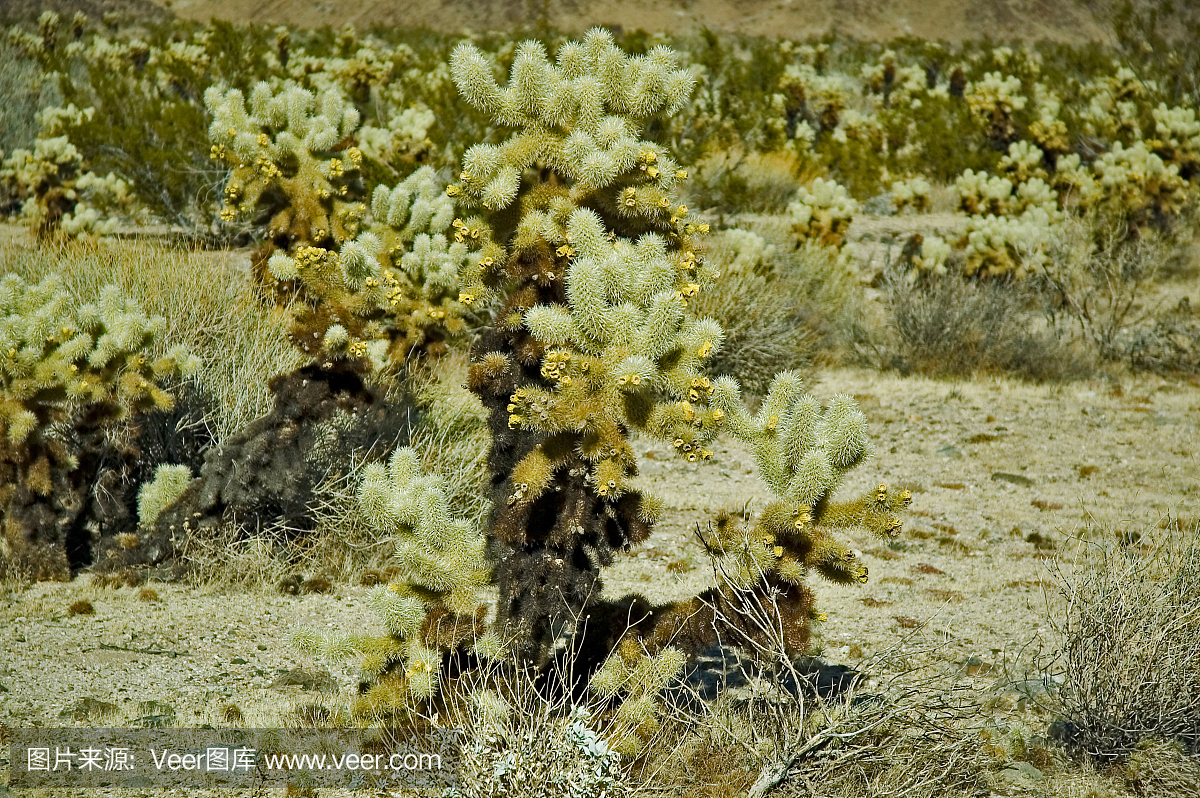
(1130, 656)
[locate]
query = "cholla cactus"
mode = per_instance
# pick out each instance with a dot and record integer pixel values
(433, 607)
(932, 257)
(44, 180)
(994, 101)
(803, 452)
(911, 194)
(404, 140)
(820, 99)
(1048, 131)
(389, 291)
(594, 339)
(593, 336)
(995, 245)
(1177, 139)
(57, 357)
(822, 212)
(981, 194)
(291, 162)
(1022, 162)
(1136, 182)
(637, 678)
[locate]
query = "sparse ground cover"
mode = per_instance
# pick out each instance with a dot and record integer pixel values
(320, 458)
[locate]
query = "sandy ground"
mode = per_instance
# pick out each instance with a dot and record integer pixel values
(1007, 477)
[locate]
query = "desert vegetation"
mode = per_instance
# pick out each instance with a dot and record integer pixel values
(571, 393)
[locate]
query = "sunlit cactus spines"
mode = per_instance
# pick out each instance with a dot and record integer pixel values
(155, 496)
(292, 162)
(390, 291)
(433, 607)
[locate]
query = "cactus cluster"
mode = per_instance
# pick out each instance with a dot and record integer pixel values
(592, 264)
(292, 162)
(822, 213)
(53, 185)
(89, 366)
(433, 607)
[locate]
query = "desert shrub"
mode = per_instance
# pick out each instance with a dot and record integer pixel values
(766, 318)
(1098, 280)
(952, 326)
(1128, 659)
(21, 83)
(1171, 344)
(782, 307)
(734, 180)
(909, 735)
(559, 757)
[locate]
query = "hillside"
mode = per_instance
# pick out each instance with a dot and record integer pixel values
(1072, 21)
(870, 19)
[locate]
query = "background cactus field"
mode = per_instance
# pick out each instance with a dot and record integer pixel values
(663, 398)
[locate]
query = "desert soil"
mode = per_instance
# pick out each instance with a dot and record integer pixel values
(1007, 477)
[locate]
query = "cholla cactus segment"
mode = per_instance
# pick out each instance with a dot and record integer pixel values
(155, 496)
(56, 357)
(285, 149)
(389, 291)
(822, 212)
(433, 606)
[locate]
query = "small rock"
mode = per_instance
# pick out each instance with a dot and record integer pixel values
(86, 708)
(1018, 772)
(306, 680)
(239, 661)
(1014, 479)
